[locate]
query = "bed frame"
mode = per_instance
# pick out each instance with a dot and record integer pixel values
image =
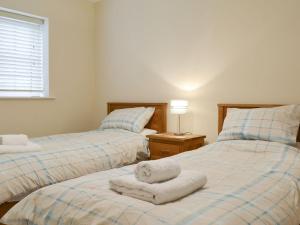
(157, 122)
(222, 109)
(5, 207)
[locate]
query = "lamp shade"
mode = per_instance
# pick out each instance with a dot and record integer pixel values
(179, 106)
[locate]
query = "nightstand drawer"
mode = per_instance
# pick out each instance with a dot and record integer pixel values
(163, 150)
(193, 145)
(166, 144)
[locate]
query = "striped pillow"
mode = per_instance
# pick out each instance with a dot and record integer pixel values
(278, 124)
(132, 119)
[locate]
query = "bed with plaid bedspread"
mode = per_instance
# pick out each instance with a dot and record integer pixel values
(67, 156)
(249, 182)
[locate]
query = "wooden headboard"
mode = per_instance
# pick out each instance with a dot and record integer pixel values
(157, 122)
(222, 111)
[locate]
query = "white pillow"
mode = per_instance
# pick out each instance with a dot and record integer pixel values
(147, 131)
(132, 119)
(279, 124)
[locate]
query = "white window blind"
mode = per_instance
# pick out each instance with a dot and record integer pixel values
(23, 56)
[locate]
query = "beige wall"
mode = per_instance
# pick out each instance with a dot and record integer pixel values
(72, 72)
(206, 51)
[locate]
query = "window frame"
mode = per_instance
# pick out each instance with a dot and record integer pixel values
(45, 59)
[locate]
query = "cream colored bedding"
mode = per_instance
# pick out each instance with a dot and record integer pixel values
(249, 182)
(65, 157)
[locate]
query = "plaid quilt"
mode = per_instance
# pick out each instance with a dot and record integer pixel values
(64, 157)
(249, 182)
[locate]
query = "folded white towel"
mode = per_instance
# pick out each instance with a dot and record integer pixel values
(186, 183)
(155, 171)
(13, 139)
(12, 149)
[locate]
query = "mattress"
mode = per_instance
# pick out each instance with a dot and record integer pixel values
(67, 156)
(249, 182)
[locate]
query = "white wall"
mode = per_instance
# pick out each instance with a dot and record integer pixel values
(72, 72)
(206, 51)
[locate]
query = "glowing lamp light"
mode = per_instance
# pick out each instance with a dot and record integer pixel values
(179, 107)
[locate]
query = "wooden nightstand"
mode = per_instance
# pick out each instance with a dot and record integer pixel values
(167, 144)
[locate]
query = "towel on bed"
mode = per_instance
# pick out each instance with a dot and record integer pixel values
(187, 182)
(157, 170)
(13, 139)
(12, 149)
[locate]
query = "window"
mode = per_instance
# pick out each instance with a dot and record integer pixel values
(23, 55)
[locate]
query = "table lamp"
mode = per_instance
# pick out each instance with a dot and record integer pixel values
(179, 107)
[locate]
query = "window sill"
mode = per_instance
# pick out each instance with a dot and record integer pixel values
(27, 98)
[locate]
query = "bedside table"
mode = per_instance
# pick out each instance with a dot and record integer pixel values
(168, 144)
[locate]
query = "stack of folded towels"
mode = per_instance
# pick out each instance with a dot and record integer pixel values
(17, 143)
(158, 181)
